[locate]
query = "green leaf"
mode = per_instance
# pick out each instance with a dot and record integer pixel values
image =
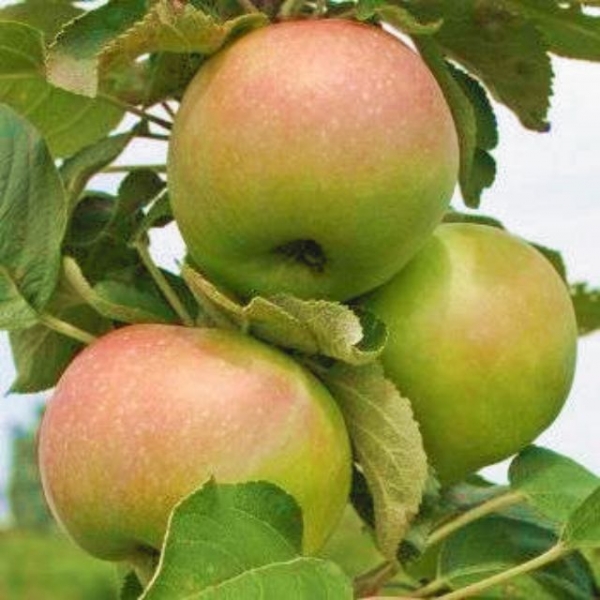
(80, 168)
(33, 218)
(554, 484)
(388, 446)
(67, 122)
(102, 227)
(568, 30)
(40, 354)
(308, 326)
(46, 15)
(501, 47)
(73, 58)
(117, 301)
(583, 528)
(241, 541)
(465, 118)
(586, 301)
(554, 258)
(122, 30)
(497, 543)
(396, 16)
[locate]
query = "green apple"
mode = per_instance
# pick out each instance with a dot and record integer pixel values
(483, 342)
(148, 413)
(311, 157)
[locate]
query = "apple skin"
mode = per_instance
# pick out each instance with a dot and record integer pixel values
(148, 413)
(311, 157)
(482, 341)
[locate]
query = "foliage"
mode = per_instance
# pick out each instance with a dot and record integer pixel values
(75, 263)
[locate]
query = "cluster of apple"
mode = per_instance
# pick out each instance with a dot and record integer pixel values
(314, 158)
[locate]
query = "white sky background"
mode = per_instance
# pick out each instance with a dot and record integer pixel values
(547, 190)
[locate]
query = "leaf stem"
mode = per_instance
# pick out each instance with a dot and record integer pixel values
(167, 108)
(164, 286)
(372, 581)
(495, 504)
(429, 589)
(128, 168)
(154, 136)
(555, 553)
(134, 110)
(66, 329)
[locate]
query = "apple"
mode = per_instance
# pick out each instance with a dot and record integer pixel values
(148, 413)
(311, 157)
(482, 341)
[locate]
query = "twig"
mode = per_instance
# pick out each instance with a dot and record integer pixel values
(162, 283)
(137, 111)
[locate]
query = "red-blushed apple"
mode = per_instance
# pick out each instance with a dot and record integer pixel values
(148, 413)
(312, 157)
(482, 341)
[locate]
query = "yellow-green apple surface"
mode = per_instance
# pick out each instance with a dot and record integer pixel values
(311, 157)
(148, 413)
(482, 341)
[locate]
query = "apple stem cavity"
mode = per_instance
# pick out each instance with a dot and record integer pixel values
(305, 252)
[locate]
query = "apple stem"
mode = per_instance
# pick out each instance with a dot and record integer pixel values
(495, 504)
(130, 108)
(66, 329)
(164, 286)
(556, 552)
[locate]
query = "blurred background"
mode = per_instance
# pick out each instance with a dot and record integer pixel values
(547, 191)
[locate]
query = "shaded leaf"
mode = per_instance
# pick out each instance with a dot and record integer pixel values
(388, 446)
(241, 541)
(586, 301)
(33, 218)
(67, 122)
(40, 354)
